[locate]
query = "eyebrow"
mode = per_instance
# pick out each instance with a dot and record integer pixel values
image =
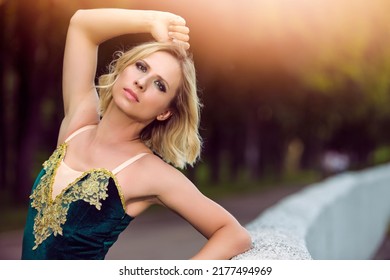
(158, 76)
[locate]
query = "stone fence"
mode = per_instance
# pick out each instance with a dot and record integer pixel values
(342, 217)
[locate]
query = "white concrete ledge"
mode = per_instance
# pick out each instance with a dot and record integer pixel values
(343, 217)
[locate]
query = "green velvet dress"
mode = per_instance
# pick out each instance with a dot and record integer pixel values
(82, 222)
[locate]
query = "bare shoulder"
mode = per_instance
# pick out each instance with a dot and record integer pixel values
(151, 177)
(170, 187)
(161, 175)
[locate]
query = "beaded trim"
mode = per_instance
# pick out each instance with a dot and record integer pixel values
(52, 213)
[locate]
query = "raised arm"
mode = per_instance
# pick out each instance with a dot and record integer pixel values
(88, 29)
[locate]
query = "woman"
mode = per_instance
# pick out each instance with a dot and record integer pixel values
(116, 148)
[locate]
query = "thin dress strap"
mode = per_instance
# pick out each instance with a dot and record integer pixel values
(78, 131)
(128, 162)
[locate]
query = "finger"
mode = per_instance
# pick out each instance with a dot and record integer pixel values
(178, 20)
(179, 36)
(182, 44)
(179, 28)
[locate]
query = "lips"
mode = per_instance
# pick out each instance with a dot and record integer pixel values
(131, 95)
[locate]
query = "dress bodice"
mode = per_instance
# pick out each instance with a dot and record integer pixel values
(81, 222)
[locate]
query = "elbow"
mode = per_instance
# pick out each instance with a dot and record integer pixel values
(77, 17)
(243, 241)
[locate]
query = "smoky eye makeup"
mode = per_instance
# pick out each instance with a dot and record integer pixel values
(160, 85)
(141, 66)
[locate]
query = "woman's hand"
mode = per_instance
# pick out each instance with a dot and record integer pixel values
(168, 27)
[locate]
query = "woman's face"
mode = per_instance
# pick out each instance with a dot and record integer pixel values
(145, 89)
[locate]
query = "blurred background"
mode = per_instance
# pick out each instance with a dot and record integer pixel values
(293, 91)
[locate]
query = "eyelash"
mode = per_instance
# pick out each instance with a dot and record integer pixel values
(160, 85)
(140, 66)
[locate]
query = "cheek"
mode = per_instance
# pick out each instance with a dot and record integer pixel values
(156, 98)
(160, 102)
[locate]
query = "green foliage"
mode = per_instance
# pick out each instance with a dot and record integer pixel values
(381, 155)
(244, 182)
(352, 57)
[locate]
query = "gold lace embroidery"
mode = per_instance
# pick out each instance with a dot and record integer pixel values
(52, 213)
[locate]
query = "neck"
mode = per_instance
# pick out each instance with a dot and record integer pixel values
(115, 127)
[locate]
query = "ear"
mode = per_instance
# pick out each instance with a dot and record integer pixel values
(164, 116)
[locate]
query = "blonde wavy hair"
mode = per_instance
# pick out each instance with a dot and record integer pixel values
(177, 139)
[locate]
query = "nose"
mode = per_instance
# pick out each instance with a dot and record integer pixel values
(139, 84)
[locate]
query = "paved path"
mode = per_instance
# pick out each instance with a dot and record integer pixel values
(161, 234)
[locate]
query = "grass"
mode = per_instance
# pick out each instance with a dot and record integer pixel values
(244, 185)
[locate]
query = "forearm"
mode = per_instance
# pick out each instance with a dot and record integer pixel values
(225, 243)
(100, 25)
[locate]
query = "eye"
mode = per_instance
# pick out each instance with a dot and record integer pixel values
(160, 85)
(140, 66)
